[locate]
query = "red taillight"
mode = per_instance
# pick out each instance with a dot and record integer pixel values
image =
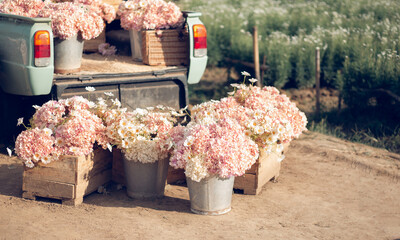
(200, 40)
(42, 48)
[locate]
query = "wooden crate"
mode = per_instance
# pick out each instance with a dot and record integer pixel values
(265, 169)
(92, 45)
(68, 179)
(165, 47)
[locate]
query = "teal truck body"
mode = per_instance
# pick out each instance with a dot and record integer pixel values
(23, 84)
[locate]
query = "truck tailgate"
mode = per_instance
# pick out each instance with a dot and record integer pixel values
(133, 83)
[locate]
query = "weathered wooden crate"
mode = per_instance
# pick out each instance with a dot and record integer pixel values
(265, 169)
(68, 179)
(165, 47)
(92, 45)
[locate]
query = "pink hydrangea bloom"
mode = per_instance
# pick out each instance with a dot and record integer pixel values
(149, 14)
(218, 148)
(27, 8)
(34, 145)
(66, 127)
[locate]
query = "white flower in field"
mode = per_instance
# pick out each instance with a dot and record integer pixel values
(121, 132)
(247, 133)
(48, 131)
(259, 130)
(124, 123)
(60, 142)
(140, 111)
(124, 144)
(281, 129)
(244, 73)
(20, 121)
(9, 151)
(90, 89)
(231, 93)
(36, 107)
(142, 4)
(116, 102)
(36, 157)
(45, 160)
(91, 104)
(74, 150)
(29, 164)
(110, 94)
(189, 141)
(253, 80)
(271, 139)
(235, 85)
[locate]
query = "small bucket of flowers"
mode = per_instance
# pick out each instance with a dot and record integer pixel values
(212, 154)
(72, 22)
(226, 137)
(141, 135)
(138, 16)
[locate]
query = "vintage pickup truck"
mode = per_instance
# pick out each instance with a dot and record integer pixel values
(27, 76)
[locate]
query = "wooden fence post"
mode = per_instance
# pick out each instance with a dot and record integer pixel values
(256, 56)
(317, 82)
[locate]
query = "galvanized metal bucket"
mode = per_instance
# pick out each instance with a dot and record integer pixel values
(136, 44)
(210, 196)
(145, 180)
(68, 54)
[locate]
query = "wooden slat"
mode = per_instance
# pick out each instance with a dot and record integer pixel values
(168, 48)
(62, 170)
(78, 177)
(48, 189)
(245, 182)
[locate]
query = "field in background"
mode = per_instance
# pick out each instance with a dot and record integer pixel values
(359, 42)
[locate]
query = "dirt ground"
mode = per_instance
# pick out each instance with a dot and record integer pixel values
(327, 189)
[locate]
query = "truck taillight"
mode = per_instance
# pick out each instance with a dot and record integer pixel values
(200, 40)
(42, 48)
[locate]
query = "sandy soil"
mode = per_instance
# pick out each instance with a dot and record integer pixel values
(328, 189)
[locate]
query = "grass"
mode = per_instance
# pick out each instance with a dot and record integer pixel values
(360, 53)
(373, 127)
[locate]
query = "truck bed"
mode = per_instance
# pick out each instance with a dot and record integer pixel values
(134, 83)
(96, 63)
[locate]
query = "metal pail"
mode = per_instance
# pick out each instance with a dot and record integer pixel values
(68, 54)
(211, 196)
(145, 180)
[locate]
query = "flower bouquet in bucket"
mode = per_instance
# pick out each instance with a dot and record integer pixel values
(141, 15)
(72, 22)
(212, 154)
(269, 118)
(140, 135)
